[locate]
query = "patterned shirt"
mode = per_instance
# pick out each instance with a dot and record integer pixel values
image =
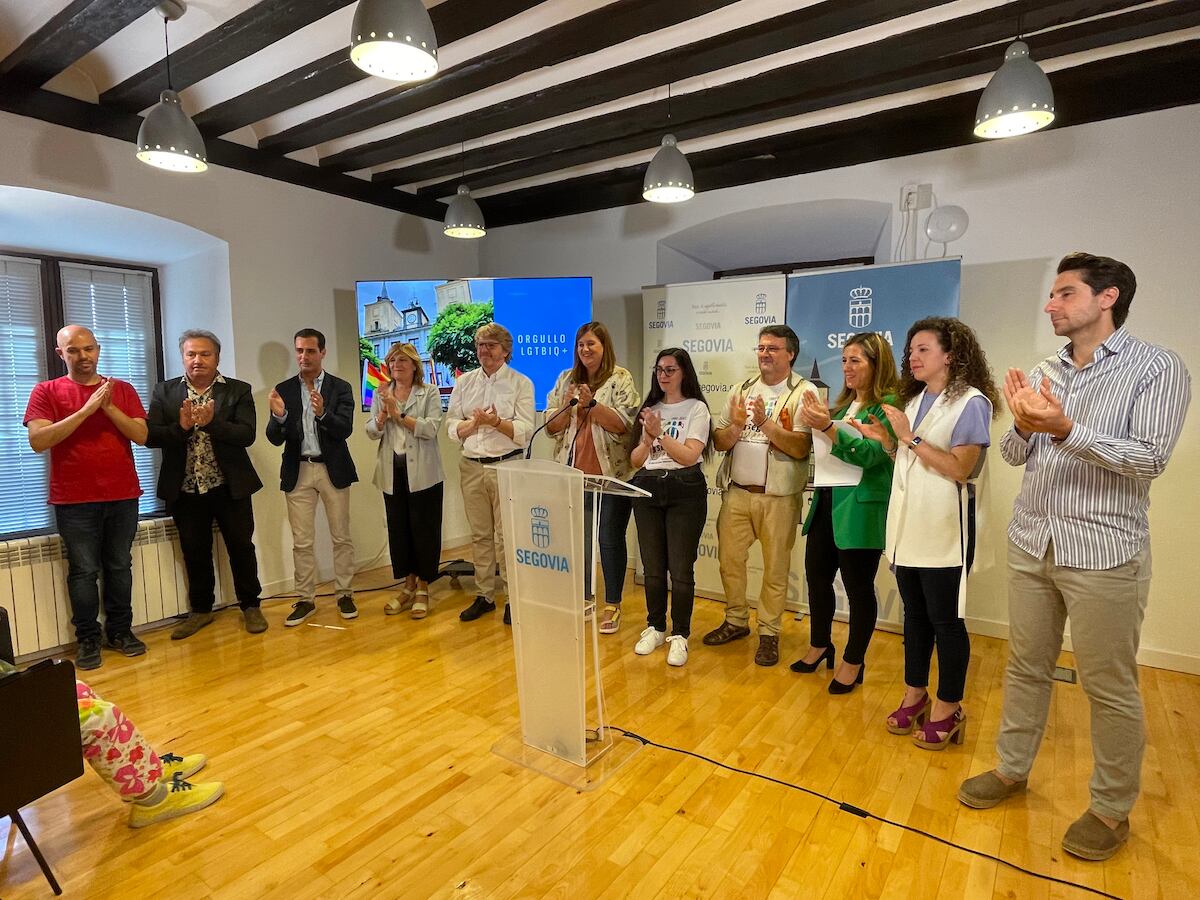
(1089, 494)
(201, 473)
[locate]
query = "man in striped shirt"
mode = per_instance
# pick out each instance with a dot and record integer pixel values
(1093, 425)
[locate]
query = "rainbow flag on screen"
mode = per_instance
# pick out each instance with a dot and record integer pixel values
(374, 375)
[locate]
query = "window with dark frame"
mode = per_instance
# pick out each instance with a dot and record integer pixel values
(38, 295)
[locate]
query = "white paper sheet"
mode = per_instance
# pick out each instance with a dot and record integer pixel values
(831, 471)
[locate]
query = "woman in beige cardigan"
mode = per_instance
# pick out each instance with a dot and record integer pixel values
(594, 438)
(406, 414)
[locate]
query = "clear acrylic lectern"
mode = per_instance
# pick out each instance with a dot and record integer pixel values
(564, 731)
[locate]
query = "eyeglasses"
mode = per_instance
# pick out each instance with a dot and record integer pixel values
(486, 345)
(665, 371)
(770, 351)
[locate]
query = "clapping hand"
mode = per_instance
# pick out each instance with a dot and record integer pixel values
(317, 401)
(187, 419)
(202, 413)
(874, 430)
(813, 412)
(737, 411)
(276, 403)
(651, 424)
(99, 399)
(1038, 410)
(757, 411)
(899, 422)
(584, 393)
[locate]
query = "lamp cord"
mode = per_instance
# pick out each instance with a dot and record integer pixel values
(167, 44)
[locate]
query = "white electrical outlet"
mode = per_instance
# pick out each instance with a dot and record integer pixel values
(908, 197)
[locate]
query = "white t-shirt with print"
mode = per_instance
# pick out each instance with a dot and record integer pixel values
(750, 452)
(686, 420)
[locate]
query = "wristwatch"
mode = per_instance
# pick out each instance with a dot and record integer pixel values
(916, 439)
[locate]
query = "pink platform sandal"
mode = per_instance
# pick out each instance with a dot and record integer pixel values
(909, 717)
(954, 727)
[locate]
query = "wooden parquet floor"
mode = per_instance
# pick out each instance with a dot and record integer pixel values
(357, 763)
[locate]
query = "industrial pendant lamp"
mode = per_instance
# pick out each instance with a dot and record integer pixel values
(168, 139)
(1017, 100)
(464, 218)
(669, 176)
(394, 39)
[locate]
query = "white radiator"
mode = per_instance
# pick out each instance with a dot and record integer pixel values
(33, 584)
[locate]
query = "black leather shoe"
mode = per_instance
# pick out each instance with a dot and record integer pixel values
(127, 644)
(827, 657)
(724, 633)
(88, 655)
(840, 687)
(507, 614)
(480, 606)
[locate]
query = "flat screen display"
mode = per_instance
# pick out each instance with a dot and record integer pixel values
(439, 317)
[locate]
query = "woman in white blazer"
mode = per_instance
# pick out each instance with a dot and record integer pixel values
(941, 435)
(406, 414)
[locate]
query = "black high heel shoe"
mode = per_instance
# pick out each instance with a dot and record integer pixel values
(827, 657)
(838, 687)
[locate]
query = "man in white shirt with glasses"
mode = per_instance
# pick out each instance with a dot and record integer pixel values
(491, 416)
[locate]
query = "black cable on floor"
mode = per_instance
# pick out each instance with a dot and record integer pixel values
(864, 814)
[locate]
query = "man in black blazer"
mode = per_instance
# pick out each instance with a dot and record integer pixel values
(311, 416)
(203, 423)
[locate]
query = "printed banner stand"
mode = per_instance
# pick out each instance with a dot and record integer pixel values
(542, 508)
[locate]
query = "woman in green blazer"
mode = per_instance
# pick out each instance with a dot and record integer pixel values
(846, 525)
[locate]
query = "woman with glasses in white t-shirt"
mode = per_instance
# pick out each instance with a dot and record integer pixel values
(670, 437)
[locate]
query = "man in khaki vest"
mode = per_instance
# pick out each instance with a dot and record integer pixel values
(761, 478)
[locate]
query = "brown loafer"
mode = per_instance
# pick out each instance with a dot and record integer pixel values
(256, 622)
(1089, 838)
(986, 790)
(189, 626)
(768, 650)
(725, 633)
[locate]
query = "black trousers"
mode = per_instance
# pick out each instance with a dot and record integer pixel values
(931, 619)
(194, 515)
(822, 560)
(414, 524)
(669, 523)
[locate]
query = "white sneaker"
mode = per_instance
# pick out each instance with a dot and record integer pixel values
(650, 641)
(677, 652)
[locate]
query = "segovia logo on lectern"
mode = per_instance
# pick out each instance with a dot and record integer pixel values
(539, 526)
(662, 309)
(860, 307)
(760, 304)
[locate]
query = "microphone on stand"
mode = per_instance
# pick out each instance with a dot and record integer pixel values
(571, 449)
(529, 449)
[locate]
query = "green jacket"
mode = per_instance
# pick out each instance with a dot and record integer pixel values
(860, 512)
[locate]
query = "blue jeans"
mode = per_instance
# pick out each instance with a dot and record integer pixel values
(98, 538)
(614, 555)
(669, 523)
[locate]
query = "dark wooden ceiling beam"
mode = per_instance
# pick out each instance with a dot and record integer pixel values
(48, 106)
(244, 35)
(597, 30)
(794, 29)
(452, 21)
(762, 97)
(78, 29)
(1137, 83)
(1076, 38)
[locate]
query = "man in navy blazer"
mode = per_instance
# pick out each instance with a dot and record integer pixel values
(312, 415)
(203, 422)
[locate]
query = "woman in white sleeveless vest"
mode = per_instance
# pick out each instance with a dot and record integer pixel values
(593, 436)
(941, 441)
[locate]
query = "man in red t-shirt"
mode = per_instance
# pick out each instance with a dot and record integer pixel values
(87, 421)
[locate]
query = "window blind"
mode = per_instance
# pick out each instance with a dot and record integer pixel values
(23, 504)
(118, 305)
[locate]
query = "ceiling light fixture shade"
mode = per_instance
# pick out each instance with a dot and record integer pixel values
(464, 218)
(1017, 100)
(669, 176)
(394, 39)
(170, 140)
